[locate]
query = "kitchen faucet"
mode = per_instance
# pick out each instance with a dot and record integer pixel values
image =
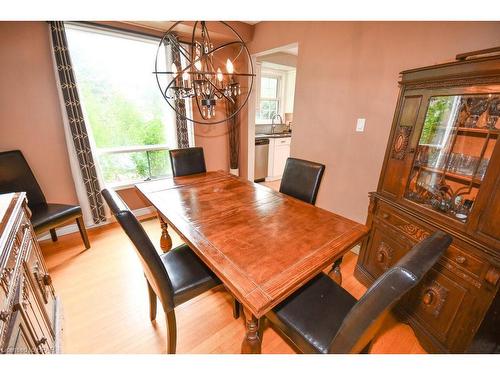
(273, 125)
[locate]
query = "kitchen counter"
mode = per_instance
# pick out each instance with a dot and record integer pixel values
(275, 135)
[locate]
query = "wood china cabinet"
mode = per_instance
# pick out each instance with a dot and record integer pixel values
(442, 171)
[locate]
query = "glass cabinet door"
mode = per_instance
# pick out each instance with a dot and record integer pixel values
(457, 140)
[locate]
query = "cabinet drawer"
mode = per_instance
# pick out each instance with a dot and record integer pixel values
(385, 251)
(10, 272)
(408, 227)
(283, 141)
(35, 267)
(436, 304)
(465, 260)
(20, 340)
(458, 258)
(29, 304)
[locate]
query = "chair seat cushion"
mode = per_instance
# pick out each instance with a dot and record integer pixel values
(312, 316)
(48, 215)
(188, 274)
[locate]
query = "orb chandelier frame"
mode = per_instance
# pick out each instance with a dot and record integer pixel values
(201, 80)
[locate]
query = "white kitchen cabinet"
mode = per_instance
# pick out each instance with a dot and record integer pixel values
(279, 151)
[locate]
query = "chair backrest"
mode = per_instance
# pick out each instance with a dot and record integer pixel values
(186, 161)
(152, 264)
(365, 318)
(16, 175)
(301, 179)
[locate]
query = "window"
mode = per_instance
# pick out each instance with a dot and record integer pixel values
(270, 100)
(130, 125)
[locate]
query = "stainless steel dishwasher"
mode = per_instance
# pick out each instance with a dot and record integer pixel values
(261, 155)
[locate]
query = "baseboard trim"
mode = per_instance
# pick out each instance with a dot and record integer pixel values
(73, 228)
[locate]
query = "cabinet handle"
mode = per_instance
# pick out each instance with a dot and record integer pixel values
(4, 315)
(47, 280)
(428, 298)
(40, 342)
(492, 276)
(411, 150)
(460, 259)
(380, 257)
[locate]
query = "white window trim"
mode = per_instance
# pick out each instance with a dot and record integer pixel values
(281, 76)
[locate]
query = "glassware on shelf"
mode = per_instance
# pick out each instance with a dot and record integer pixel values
(481, 170)
(453, 162)
(462, 164)
(494, 114)
(467, 165)
(462, 210)
(477, 106)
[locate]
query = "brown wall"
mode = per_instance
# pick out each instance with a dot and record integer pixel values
(349, 70)
(30, 116)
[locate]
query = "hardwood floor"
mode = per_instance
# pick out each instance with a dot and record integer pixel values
(105, 303)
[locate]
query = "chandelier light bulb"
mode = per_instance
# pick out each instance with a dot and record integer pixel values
(197, 63)
(185, 76)
(220, 77)
(174, 69)
(229, 66)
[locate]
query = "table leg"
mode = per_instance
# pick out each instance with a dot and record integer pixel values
(334, 273)
(252, 342)
(165, 240)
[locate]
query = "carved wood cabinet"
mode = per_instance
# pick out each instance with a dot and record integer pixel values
(28, 304)
(442, 171)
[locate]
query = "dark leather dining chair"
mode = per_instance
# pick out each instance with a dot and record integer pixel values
(301, 179)
(16, 176)
(186, 161)
(174, 277)
(322, 317)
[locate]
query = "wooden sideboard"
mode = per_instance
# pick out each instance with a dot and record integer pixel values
(29, 320)
(442, 171)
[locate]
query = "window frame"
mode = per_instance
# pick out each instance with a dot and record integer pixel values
(98, 152)
(280, 76)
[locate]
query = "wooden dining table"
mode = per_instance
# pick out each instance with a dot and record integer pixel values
(263, 245)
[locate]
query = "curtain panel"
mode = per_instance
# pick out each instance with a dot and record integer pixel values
(181, 125)
(76, 121)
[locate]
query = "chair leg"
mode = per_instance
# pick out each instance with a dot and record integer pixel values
(236, 308)
(83, 231)
(367, 349)
(152, 302)
(171, 332)
(53, 234)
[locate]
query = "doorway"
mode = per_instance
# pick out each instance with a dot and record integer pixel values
(270, 113)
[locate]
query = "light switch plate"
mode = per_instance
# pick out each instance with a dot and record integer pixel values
(360, 125)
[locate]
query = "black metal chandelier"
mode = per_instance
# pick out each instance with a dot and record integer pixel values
(203, 72)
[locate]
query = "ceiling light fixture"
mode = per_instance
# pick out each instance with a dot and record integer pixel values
(204, 73)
